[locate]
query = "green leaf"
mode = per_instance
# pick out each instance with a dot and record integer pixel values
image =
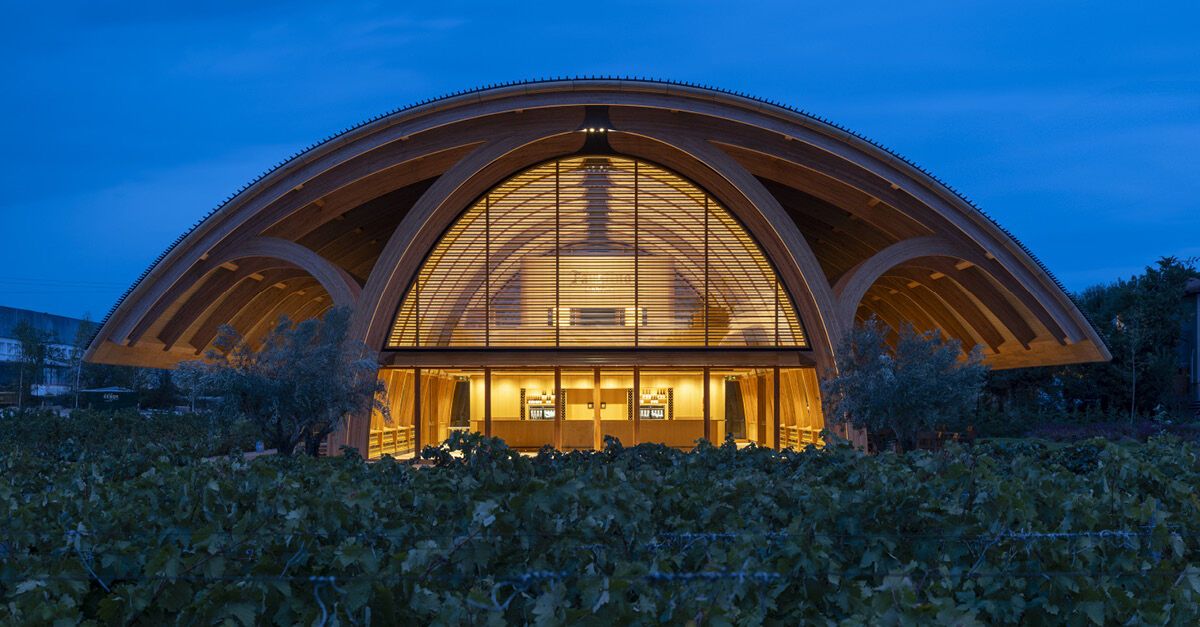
(1094, 611)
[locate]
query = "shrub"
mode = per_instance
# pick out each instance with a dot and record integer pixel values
(920, 384)
(300, 385)
(93, 434)
(1004, 533)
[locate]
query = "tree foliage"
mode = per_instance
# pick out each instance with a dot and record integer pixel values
(300, 384)
(1141, 321)
(37, 352)
(922, 383)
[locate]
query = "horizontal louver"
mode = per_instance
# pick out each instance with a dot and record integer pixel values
(596, 252)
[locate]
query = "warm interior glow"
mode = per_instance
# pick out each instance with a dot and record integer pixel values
(667, 406)
(596, 251)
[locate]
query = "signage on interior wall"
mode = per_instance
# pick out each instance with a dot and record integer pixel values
(597, 279)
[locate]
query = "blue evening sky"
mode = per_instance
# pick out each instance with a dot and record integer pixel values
(1075, 124)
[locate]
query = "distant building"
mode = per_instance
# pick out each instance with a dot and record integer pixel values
(57, 377)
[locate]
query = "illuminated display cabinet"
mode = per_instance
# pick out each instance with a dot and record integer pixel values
(556, 262)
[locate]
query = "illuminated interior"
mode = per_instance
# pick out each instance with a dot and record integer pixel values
(528, 411)
(617, 256)
(596, 251)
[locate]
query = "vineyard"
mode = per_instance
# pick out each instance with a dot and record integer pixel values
(118, 530)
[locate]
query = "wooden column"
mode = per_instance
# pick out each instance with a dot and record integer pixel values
(487, 402)
(637, 405)
(558, 409)
(707, 408)
(775, 405)
(597, 435)
(760, 388)
(417, 422)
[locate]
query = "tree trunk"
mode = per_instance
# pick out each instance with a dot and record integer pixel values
(312, 441)
(280, 441)
(312, 444)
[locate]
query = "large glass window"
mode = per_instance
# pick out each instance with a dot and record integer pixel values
(596, 251)
(617, 404)
(756, 390)
(671, 407)
(525, 408)
(801, 420)
(394, 433)
(577, 407)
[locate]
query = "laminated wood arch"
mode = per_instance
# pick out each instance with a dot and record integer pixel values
(850, 229)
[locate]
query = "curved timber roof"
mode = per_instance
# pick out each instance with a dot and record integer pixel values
(853, 229)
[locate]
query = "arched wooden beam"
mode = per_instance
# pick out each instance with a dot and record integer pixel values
(338, 283)
(885, 313)
(1020, 293)
(235, 301)
(853, 285)
(825, 187)
(266, 204)
(286, 306)
(761, 214)
(919, 203)
(978, 283)
(376, 217)
(435, 211)
(956, 300)
(921, 298)
(831, 216)
(263, 304)
(930, 206)
(332, 194)
(216, 285)
(342, 287)
(912, 315)
(710, 108)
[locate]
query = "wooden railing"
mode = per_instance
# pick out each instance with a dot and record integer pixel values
(393, 441)
(797, 437)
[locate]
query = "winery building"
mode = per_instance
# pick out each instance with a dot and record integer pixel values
(552, 262)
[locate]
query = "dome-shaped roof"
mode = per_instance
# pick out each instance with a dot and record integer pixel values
(853, 229)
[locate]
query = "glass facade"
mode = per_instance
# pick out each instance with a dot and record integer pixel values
(596, 251)
(576, 408)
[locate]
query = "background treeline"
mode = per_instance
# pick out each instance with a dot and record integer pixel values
(1144, 320)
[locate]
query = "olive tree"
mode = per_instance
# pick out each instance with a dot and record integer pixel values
(925, 381)
(301, 384)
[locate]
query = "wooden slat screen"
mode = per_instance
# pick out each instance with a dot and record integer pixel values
(596, 251)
